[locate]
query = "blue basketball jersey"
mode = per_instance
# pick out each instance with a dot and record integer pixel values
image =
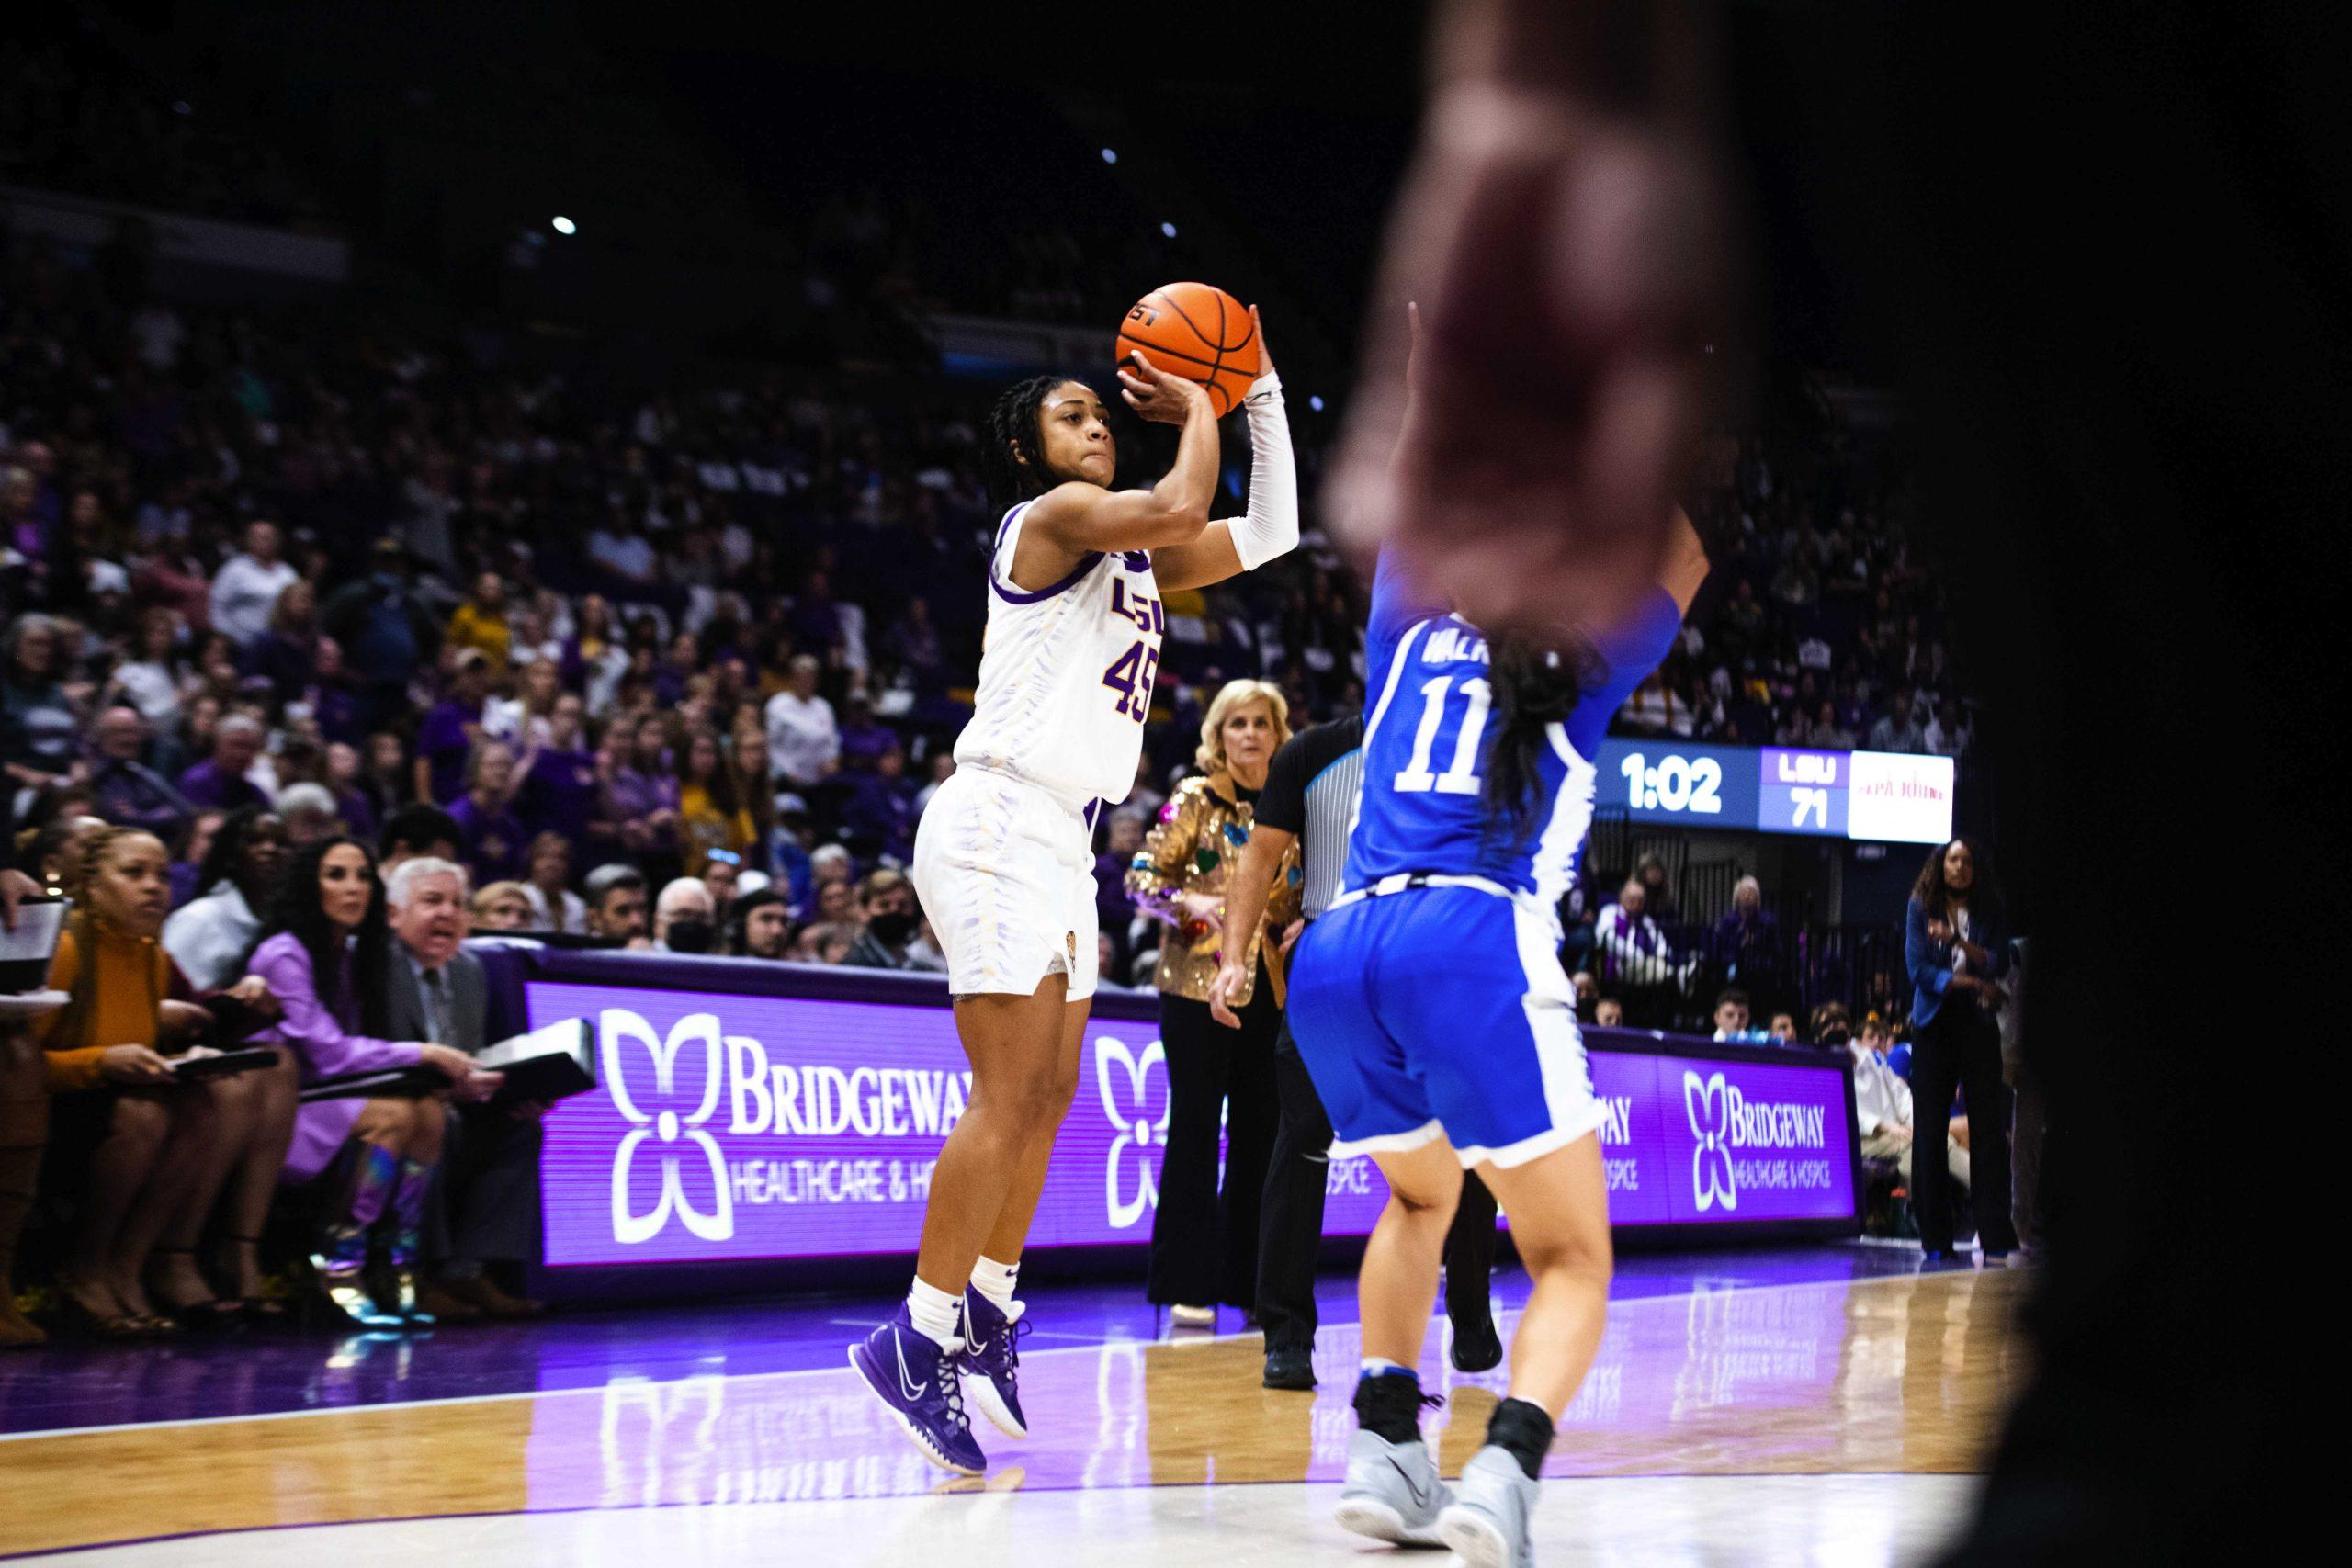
(1426, 740)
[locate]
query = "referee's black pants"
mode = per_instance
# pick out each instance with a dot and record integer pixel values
(1204, 1240)
(1292, 1233)
(1960, 1047)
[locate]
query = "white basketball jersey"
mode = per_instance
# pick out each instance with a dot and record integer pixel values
(1065, 674)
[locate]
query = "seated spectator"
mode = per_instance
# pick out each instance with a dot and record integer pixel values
(245, 590)
(616, 900)
(479, 623)
(310, 814)
(760, 925)
(209, 936)
(287, 653)
(419, 830)
(40, 726)
(1783, 1031)
(827, 941)
(554, 906)
(194, 845)
(1635, 956)
(879, 815)
(711, 816)
(502, 906)
(804, 744)
(328, 964)
(1588, 994)
(722, 873)
(557, 787)
(685, 917)
(1657, 887)
(1608, 1013)
(641, 787)
(494, 839)
(886, 901)
(1883, 1108)
(1114, 908)
(385, 777)
(444, 743)
(1747, 939)
(140, 1157)
(863, 737)
(126, 791)
(1899, 729)
(221, 779)
(1732, 1016)
(837, 904)
(481, 1208)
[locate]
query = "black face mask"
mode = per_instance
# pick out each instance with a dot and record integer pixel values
(891, 927)
(1836, 1034)
(690, 936)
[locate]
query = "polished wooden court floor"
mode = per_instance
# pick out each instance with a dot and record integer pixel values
(1832, 1420)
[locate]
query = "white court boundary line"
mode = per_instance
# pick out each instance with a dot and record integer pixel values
(1095, 1347)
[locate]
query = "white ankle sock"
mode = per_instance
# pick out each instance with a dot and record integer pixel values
(937, 1315)
(997, 1281)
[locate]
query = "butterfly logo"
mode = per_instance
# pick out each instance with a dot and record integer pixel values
(666, 1088)
(1131, 1177)
(1708, 1104)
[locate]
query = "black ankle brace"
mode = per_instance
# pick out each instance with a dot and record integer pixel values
(1389, 1406)
(1523, 1431)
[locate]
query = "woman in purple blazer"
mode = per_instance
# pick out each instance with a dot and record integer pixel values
(325, 960)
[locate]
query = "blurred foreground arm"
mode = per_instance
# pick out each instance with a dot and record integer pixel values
(1561, 232)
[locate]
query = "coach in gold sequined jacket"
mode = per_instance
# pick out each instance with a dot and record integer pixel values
(1193, 849)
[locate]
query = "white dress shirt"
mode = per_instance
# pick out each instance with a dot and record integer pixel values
(802, 737)
(1881, 1099)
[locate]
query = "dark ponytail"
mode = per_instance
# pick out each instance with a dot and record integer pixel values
(1015, 456)
(1535, 688)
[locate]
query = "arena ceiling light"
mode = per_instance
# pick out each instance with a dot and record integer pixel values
(1109, 156)
(562, 225)
(1169, 230)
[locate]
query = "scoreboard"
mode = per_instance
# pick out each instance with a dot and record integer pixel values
(1874, 796)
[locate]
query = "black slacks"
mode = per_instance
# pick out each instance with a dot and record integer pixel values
(1204, 1240)
(1961, 1047)
(1296, 1183)
(483, 1206)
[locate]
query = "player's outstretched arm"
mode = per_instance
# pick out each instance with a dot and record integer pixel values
(1080, 519)
(1270, 527)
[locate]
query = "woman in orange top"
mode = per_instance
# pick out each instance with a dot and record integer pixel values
(154, 1148)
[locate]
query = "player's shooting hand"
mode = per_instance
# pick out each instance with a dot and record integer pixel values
(1154, 393)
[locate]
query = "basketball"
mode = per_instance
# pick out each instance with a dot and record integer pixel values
(1199, 332)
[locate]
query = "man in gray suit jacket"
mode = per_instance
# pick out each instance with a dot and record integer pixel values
(484, 1209)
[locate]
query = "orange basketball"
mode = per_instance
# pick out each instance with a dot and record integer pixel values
(1199, 332)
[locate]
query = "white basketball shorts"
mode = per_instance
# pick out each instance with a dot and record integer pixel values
(1006, 874)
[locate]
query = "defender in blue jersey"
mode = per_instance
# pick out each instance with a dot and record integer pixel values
(1432, 1010)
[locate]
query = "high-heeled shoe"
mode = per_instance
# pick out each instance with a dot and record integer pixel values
(259, 1311)
(210, 1315)
(77, 1319)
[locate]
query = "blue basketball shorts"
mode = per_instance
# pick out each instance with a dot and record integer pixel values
(1442, 1011)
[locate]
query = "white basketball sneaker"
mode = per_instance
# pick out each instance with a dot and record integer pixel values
(1486, 1525)
(1393, 1493)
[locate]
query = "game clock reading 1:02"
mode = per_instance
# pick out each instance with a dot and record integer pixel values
(1710, 784)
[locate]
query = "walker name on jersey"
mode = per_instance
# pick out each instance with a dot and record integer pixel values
(1455, 644)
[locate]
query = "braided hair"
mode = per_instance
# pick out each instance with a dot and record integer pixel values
(82, 857)
(1014, 456)
(1535, 688)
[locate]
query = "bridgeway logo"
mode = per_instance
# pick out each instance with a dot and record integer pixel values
(1127, 1095)
(1708, 1104)
(667, 1088)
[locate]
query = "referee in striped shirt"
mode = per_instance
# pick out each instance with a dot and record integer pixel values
(1311, 792)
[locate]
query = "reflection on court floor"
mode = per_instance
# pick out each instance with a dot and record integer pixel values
(1886, 1377)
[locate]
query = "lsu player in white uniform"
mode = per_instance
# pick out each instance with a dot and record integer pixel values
(1003, 857)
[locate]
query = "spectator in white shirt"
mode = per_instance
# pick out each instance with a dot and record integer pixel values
(554, 906)
(245, 589)
(804, 743)
(1883, 1103)
(1633, 950)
